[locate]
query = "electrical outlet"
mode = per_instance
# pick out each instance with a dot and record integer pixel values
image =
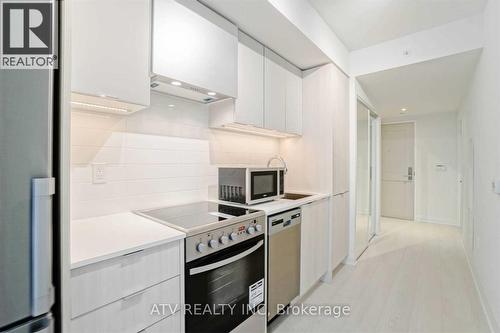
(99, 173)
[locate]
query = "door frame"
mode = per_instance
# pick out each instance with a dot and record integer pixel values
(375, 160)
(374, 126)
(415, 155)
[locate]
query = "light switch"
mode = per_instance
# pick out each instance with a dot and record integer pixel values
(99, 173)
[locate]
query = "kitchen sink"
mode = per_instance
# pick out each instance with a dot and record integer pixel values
(295, 196)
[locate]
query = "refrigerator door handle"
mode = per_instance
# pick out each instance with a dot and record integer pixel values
(42, 290)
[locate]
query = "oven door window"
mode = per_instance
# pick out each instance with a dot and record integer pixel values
(224, 290)
(264, 184)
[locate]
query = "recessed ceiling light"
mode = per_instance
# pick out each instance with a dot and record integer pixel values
(171, 105)
(404, 109)
(176, 83)
(211, 93)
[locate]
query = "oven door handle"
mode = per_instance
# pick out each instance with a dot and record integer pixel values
(201, 269)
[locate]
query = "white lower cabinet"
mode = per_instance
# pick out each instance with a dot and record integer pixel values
(340, 229)
(314, 243)
(171, 324)
(132, 313)
(117, 295)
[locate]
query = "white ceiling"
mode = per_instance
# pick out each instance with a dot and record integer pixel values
(362, 23)
(262, 21)
(433, 86)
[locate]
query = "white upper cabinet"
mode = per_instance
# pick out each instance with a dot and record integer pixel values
(110, 52)
(275, 92)
(250, 102)
(194, 45)
(294, 102)
(269, 94)
(282, 95)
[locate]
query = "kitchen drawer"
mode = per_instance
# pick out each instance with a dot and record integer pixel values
(171, 324)
(102, 283)
(132, 313)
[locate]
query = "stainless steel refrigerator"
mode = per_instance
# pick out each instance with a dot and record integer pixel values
(26, 200)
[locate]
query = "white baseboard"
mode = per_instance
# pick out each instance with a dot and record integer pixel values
(350, 261)
(425, 219)
(492, 324)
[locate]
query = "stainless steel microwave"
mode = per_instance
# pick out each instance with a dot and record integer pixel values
(251, 185)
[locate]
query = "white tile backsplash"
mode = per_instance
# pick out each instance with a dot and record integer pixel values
(155, 157)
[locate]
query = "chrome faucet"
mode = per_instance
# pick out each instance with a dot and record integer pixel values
(279, 158)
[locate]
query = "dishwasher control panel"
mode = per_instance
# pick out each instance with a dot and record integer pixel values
(283, 220)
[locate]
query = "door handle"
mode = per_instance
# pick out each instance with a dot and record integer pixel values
(202, 269)
(42, 293)
(410, 173)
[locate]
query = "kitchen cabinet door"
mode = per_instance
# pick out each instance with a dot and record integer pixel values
(195, 45)
(250, 102)
(294, 102)
(111, 49)
(314, 243)
(341, 133)
(275, 92)
(340, 229)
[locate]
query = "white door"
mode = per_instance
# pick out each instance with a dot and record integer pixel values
(398, 165)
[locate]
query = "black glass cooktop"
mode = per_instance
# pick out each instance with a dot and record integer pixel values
(196, 214)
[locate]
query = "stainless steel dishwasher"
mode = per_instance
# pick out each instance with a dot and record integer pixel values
(283, 260)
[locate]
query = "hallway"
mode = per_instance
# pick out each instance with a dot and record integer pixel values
(413, 278)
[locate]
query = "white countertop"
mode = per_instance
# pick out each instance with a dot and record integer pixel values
(105, 237)
(281, 205)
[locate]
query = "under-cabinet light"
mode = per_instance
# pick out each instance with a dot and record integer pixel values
(101, 107)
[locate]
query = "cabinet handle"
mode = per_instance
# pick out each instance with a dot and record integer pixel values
(138, 293)
(132, 253)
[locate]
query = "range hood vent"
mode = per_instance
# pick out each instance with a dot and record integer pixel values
(181, 89)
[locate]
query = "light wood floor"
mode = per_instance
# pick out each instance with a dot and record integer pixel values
(413, 278)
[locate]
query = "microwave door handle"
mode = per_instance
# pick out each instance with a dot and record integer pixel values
(202, 269)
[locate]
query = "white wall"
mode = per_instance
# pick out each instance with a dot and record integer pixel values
(303, 15)
(480, 114)
(158, 156)
(436, 143)
(448, 39)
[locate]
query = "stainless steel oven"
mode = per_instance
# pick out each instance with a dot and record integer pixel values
(251, 185)
(224, 265)
(225, 279)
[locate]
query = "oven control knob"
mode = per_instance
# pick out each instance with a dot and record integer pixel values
(251, 230)
(201, 247)
(233, 236)
(258, 227)
(213, 243)
(224, 239)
